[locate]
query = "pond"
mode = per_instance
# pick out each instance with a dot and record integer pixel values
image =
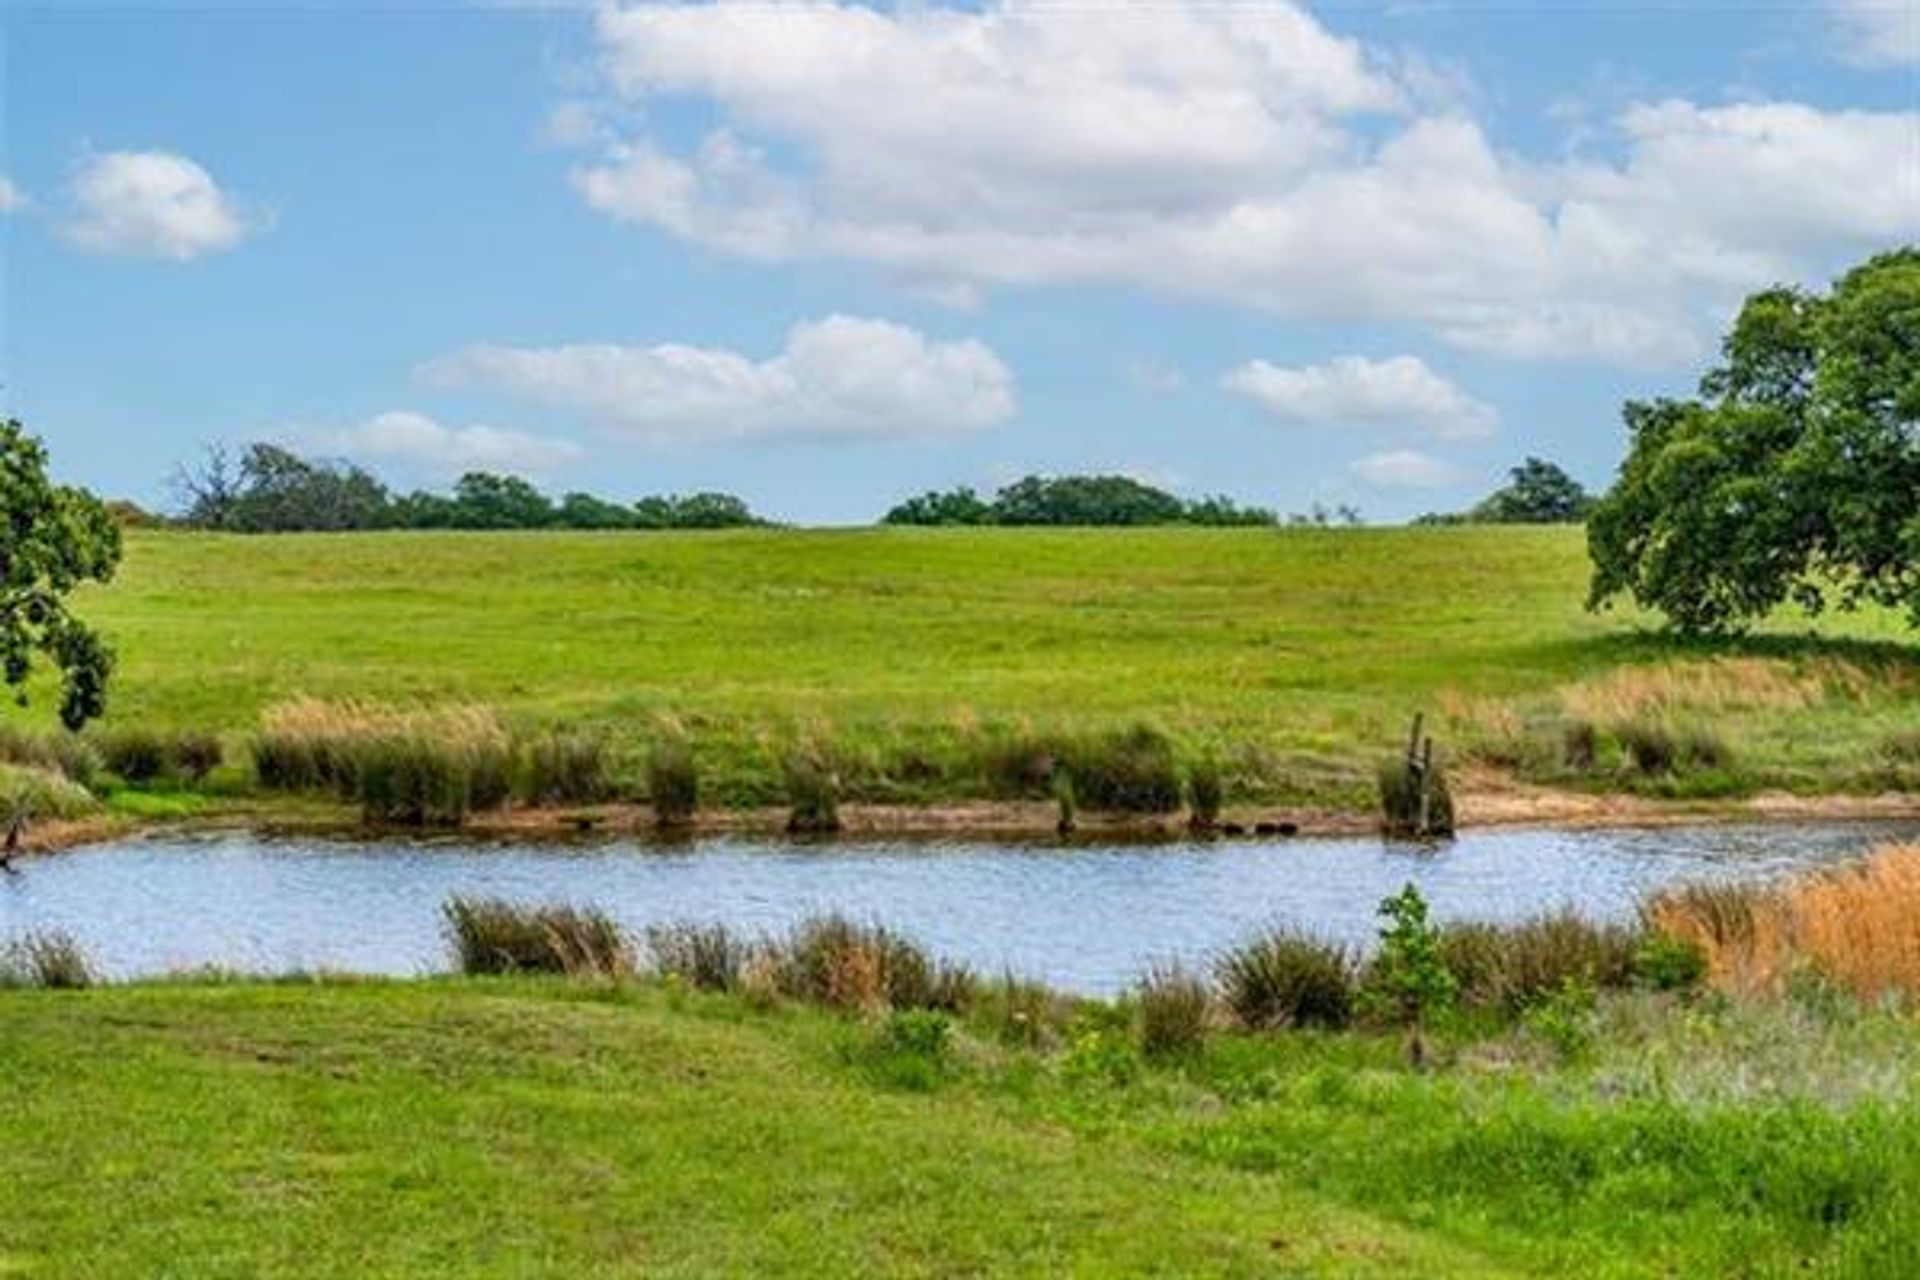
(1082, 917)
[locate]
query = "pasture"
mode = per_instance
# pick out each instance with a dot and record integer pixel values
(1294, 656)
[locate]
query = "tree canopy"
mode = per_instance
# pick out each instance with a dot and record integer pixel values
(1794, 475)
(270, 489)
(57, 537)
(1073, 500)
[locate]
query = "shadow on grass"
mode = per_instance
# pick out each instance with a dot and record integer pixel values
(1888, 659)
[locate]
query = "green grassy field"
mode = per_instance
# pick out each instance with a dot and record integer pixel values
(525, 1128)
(1296, 655)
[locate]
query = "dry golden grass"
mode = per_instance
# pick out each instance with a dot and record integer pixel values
(1856, 926)
(1717, 685)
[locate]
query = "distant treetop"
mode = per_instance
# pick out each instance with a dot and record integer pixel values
(1073, 500)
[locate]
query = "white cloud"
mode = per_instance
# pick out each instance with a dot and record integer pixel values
(417, 441)
(11, 197)
(151, 204)
(1878, 33)
(1398, 392)
(838, 377)
(1406, 469)
(1229, 152)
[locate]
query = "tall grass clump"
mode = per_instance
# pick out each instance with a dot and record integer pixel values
(565, 767)
(29, 793)
(425, 768)
(1655, 746)
(1856, 926)
(1513, 967)
(57, 752)
(830, 960)
(1172, 1005)
(708, 957)
(1287, 979)
(135, 756)
(1135, 771)
(673, 783)
(813, 794)
(50, 959)
(1206, 794)
(493, 936)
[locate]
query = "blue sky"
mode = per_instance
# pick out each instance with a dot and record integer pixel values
(825, 257)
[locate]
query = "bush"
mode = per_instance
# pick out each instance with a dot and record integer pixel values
(196, 754)
(813, 791)
(1206, 794)
(707, 957)
(51, 960)
(1172, 1005)
(135, 756)
(673, 784)
(1408, 980)
(1287, 979)
(566, 768)
(1667, 963)
(1131, 772)
(492, 936)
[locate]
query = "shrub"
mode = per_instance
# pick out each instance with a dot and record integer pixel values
(1172, 1005)
(1666, 963)
(51, 960)
(1287, 979)
(136, 756)
(708, 957)
(196, 754)
(565, 768)
(673, 783)
(1206, 794)
(1131, 772)
(813, 791)
(1408, 980)
(492, 936)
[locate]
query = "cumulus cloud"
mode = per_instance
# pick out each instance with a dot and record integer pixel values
(11, 197)
(838, 377)
(152, 204)
(420, 443)
(1406, 469)
(1878, 33)
(1398, 392)
(1230, 152)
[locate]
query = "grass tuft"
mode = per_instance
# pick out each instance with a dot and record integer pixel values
(813, 792)
(1172, 1005)
(1286, 979)
(490, 936)
(707, 957)
(49, 959)
(673, 783)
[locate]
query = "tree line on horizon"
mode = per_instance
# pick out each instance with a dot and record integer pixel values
(267, 488)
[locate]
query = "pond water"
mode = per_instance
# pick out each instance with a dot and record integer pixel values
(1082, 917)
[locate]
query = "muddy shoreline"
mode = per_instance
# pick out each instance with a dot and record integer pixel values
(1036, 820)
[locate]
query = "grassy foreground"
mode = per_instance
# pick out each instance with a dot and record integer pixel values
(535, 1127)
(1295, 656)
